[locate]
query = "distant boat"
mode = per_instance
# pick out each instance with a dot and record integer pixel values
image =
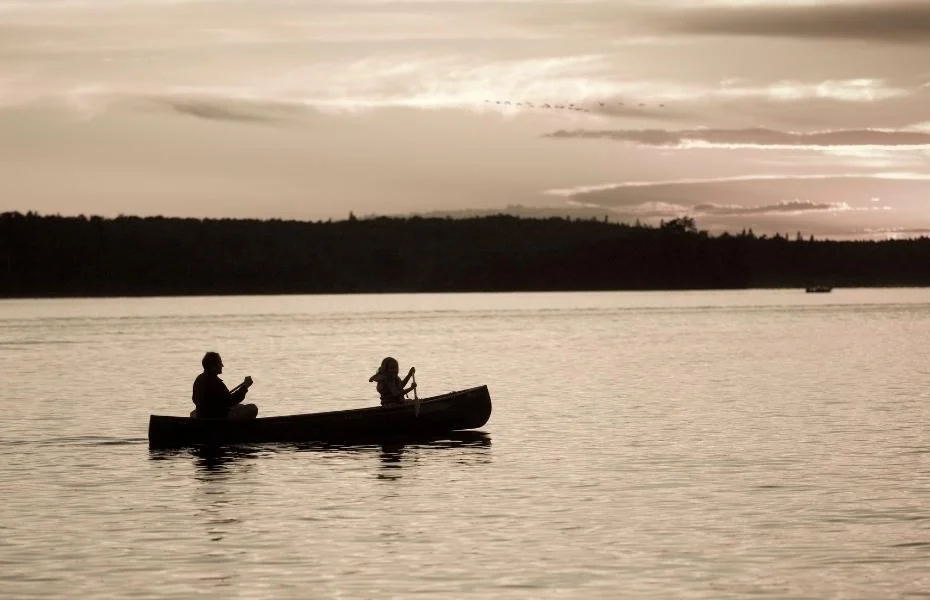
(819, 289)
(455, 411)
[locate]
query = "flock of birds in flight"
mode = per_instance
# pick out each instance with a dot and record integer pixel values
(576, 107)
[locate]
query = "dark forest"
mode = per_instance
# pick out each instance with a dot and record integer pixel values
(46, 256)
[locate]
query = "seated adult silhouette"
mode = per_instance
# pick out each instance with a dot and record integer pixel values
(213, 399)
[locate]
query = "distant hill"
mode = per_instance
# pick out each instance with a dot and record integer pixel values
(94, 256)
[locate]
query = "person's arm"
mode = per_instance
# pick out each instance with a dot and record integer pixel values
(407, 378)
(237, 394)
(197, 392)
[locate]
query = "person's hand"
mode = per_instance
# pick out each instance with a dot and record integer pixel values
(247, 382)
(413, 385)
(412, 371)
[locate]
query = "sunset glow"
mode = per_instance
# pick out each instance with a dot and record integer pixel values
(311, 109)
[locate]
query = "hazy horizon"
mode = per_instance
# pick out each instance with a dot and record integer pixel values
(780, 116)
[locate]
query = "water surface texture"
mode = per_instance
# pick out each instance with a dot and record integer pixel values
(771, 444)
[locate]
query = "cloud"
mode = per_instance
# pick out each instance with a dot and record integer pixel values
(754, 137)
(228, 109)
(667, 210)
(367, 55)
(759, 200)
(891, 21)
(217, 104)
(739, 179)
(786, 206)
(832, 205)
(910, 230)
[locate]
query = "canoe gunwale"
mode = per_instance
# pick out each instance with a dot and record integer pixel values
(347, 412)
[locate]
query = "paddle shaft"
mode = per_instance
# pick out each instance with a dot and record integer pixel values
(413, 378)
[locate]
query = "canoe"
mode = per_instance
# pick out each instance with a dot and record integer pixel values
(455, 411)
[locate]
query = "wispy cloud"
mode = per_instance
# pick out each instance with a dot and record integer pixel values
(820, 204)
(899, 231)
(361, 55)
(848, 90)
(893, 21)
(755, 138)
(645, 93)
(652, 209)
(755, 178)
(792, 207)
(219, 104)
(386, 82)
(226, 109)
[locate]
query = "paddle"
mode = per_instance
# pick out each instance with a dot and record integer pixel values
(416, 398)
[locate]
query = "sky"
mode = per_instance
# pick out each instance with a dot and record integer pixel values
(781, 116)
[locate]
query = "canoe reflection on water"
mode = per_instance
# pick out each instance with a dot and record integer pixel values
(391, 453)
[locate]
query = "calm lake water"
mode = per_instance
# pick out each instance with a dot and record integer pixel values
(713, 445)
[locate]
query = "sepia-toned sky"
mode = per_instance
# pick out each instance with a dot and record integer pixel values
(783, 116)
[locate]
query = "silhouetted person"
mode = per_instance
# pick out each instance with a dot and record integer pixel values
(213, 399)
(390, 385)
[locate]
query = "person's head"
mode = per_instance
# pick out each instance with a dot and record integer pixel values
(212, 363)
(388, 368)
(389, 365)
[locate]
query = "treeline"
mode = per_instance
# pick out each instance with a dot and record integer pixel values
(94, 256)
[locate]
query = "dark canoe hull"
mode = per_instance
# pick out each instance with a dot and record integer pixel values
(455, 411)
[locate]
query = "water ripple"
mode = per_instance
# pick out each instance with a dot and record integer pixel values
(698, 445)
